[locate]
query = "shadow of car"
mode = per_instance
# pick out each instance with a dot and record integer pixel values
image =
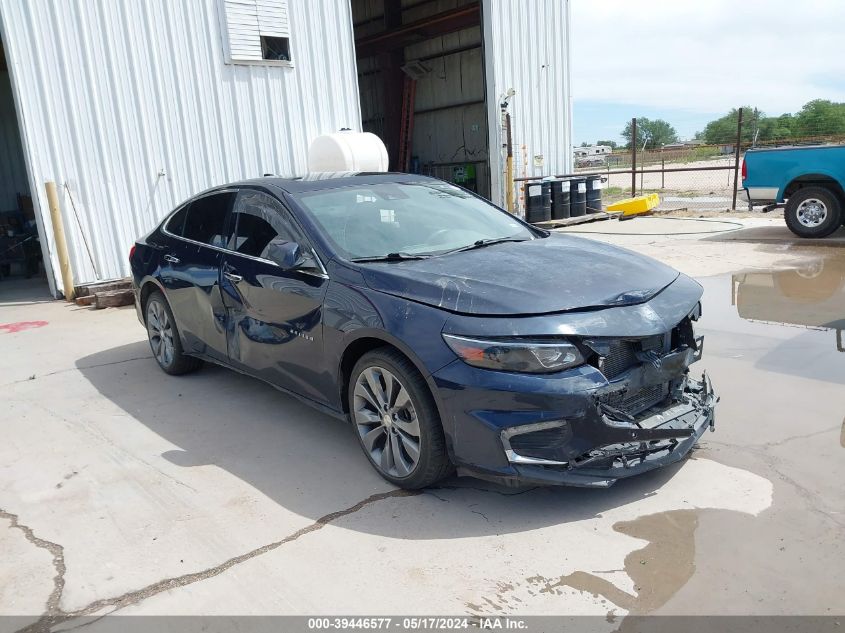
(309, 462)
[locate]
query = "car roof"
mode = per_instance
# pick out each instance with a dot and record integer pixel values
(331, 180)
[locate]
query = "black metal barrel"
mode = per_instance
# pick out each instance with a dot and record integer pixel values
(560, 199)
(577, 197)
(593, 194)
(538, 201)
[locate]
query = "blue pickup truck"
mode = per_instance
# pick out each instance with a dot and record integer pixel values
(810, 180)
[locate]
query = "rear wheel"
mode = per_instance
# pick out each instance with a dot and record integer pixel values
(396, 420)
(164, 338)
(813, 212)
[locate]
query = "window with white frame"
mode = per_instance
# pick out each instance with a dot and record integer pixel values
(256, 31)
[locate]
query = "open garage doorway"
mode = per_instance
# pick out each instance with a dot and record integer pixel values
(422, 84)
(21, 269)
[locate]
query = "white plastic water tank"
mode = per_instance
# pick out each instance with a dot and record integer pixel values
(347, 151)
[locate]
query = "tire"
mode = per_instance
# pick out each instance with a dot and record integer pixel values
(388, 437)
(164, 337)
(813, 212)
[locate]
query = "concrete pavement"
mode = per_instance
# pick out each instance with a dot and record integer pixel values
(126, 490)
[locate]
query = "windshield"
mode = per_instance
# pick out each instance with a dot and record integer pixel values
(424, 218)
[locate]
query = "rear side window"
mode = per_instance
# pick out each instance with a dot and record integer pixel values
(259, 218)
(176, 224)
(206, 220)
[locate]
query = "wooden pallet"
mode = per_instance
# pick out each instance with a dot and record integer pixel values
(581, 219)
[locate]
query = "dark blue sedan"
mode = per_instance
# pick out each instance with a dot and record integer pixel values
(449, 333)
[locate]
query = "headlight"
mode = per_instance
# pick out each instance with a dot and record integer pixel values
(532, 357)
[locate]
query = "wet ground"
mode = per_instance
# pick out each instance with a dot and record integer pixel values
(125, 490)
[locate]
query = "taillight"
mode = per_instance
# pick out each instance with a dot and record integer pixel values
(131, 252)
(744, 170)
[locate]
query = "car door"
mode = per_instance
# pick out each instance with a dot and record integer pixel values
(190, 271)
(274, 315)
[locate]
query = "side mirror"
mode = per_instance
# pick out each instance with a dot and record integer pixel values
(286, 254)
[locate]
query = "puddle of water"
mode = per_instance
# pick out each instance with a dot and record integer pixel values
(658, 570)
(790, 321)
(811, 296)
(842, 435)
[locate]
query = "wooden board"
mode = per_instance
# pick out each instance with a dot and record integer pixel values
(581, 219)
(114, 299)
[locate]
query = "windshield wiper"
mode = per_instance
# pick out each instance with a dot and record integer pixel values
(487, 242)
(390, 257)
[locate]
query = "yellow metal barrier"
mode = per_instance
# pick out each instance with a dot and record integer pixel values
(635, 206)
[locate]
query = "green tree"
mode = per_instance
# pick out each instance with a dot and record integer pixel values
(652, 133)
(611, 144)
(820, 117)
(778, 128)
(723, 129)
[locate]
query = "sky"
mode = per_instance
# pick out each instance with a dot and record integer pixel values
(691, 61)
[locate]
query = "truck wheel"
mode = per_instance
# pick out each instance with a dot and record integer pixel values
(813, 212)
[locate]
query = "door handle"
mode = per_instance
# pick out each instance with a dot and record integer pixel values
(171, 259)
(233, 277)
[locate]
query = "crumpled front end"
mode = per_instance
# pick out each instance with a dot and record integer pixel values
(633, 407)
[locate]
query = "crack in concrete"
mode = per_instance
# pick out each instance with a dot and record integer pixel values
(56, 551)
(55, 615)
(799, 437)
(516, 491)
(69, 369)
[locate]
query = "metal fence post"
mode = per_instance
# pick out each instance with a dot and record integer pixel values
(736, 157)
(633, 157)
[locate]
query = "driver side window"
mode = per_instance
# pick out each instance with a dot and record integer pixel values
(259, 218)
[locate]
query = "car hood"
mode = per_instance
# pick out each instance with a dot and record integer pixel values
(558, 273)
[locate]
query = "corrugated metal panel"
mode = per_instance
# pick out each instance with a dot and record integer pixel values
(526, 47)
(130, 105)
(12, 170)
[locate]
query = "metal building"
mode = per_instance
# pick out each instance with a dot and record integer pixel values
(131, 106)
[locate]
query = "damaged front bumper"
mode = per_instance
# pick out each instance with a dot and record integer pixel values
(634, 444)
(579, 429)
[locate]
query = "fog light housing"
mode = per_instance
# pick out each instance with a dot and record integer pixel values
(541, 443)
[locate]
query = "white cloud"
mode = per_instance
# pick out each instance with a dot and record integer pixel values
(709, 55)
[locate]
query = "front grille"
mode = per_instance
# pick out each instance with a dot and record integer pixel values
(622, 356)
(638, 401)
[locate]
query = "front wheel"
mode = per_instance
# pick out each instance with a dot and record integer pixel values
(396, 420)
(813, 212)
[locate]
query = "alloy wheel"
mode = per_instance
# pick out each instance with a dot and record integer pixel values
(386, 420)
(160, 331)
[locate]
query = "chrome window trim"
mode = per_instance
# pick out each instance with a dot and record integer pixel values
(322, 273)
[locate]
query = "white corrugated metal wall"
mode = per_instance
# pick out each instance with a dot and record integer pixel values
(526, 47)
(129, 107)
(12, 170)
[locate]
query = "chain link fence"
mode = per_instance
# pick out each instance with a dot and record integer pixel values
(688, 175)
